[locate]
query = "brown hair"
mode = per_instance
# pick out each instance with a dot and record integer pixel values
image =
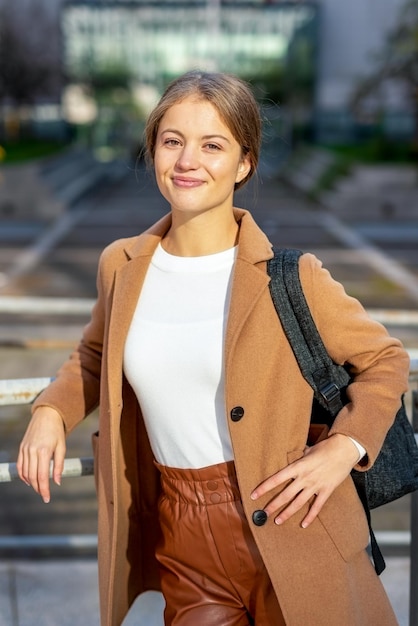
(232, 98)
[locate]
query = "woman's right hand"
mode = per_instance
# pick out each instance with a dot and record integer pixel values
(43, 441)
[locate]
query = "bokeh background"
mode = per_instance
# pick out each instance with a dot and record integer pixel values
(337, 83)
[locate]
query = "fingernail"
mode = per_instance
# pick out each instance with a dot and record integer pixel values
(46, 500)
(278, 521)
(253, 496)
(304, 525)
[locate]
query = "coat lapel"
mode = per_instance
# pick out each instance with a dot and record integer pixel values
(128, 283)
(129, 279)
(249, 279)
(249, 282)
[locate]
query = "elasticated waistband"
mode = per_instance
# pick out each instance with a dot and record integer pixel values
(204, 486)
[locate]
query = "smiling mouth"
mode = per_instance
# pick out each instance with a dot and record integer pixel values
(187, 183)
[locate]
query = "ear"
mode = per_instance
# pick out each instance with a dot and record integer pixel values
(244, 168)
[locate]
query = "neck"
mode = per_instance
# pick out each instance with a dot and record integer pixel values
(200, 236)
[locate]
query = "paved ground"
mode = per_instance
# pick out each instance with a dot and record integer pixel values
(64, 593)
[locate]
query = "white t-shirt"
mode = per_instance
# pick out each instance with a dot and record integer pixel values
(174, 358)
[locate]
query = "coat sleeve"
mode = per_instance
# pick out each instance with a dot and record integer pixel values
(75, 391)
(378, 362)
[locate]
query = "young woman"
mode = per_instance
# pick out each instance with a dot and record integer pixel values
(206, 487)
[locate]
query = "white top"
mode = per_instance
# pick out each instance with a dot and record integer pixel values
(173, 357)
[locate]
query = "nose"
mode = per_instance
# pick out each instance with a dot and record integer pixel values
(188, 158)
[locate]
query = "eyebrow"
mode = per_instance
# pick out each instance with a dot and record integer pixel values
(205, 137)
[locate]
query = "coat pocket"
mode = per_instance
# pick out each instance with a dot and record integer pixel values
(344, 519)
(342, 516)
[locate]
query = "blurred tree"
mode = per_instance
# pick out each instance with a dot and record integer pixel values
(398, 60)
(27, 68)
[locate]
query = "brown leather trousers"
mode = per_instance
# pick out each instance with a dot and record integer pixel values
(212, 573)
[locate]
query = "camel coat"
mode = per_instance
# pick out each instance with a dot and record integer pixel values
(321, 574)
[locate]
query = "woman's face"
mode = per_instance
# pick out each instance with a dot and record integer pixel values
(197, 160)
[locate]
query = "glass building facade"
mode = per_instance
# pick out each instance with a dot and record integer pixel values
(156, 41)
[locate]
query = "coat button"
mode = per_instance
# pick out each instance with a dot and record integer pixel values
(259, 517)
(237, 413)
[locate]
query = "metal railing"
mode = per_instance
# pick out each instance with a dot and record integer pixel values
(25, 390)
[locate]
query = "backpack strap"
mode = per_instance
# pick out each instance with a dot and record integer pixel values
(327, 379)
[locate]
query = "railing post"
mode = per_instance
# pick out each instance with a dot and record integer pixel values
(413, 578)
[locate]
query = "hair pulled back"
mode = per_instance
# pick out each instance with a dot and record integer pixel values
(231, 97)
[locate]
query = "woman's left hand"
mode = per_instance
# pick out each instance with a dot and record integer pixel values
(317, 474)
